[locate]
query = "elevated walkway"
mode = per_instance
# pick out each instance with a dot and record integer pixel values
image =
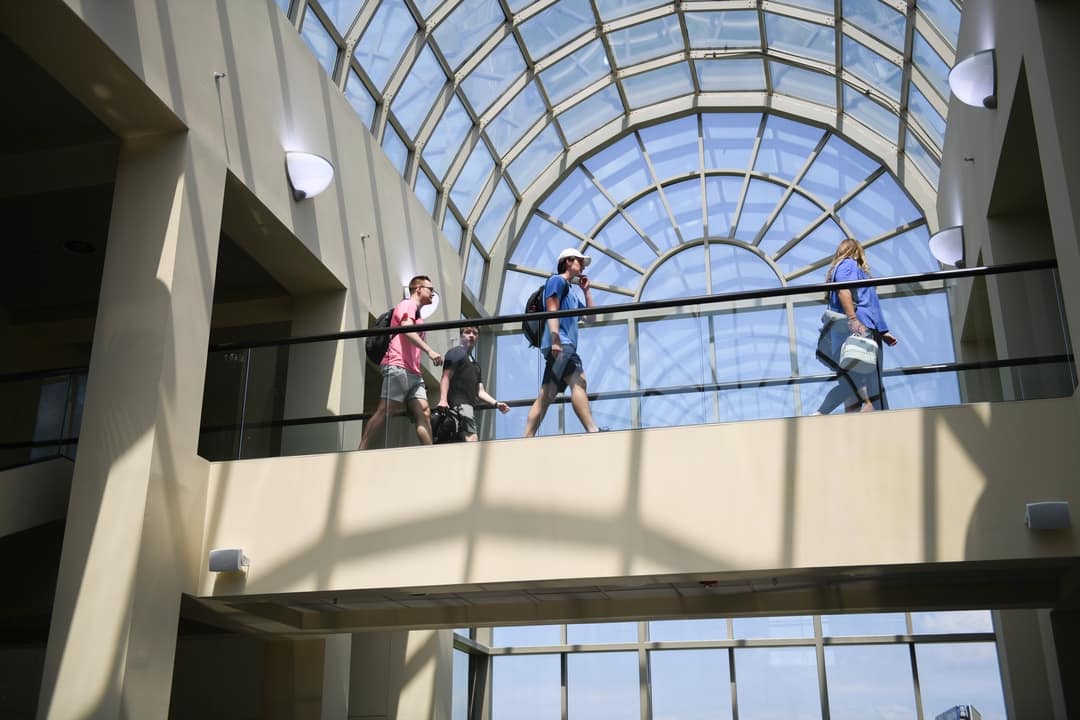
(858, 512)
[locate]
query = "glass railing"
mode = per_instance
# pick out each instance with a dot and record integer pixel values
(743, 355)
(42, 412)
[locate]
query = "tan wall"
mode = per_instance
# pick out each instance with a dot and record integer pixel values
(905, 487)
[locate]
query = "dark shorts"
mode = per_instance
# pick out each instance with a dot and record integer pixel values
(558, 371)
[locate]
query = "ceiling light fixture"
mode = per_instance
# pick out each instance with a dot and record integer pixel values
(309, 174)
(973, 80)
(948, 246)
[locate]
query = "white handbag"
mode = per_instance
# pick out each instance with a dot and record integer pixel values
(858, 354)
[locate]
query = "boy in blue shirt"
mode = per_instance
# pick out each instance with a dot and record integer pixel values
(562, 365)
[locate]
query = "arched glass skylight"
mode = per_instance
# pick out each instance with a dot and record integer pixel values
(479, 99)
(717, 202)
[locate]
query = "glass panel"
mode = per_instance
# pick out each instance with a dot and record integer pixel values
(688, 630)
(805, 84)
(685, 200)
(606, 270)
(956, 621)
(513, 120)
(425, 191)
(952, 674)
(467, 26)
(555, 26)
(825, 6)
(591, 113)
(341, 12)
(838, 169)
(875, 70)
(620, 169)
(284, 5)
(672, 147)
(905, 254)
(536, 156)
(777, 683)
(526, 635)
(613, 9)
(944, 15)
(360, 99)
(646, 41)
(619, 236)
(722, 195)
(926, 115)
(798, 37)
(930, 64)
(474, 272)
(417, 93)
(395, 149)
(526, 687)
(517, 287)
(459, 702)
(735, 268)
(318, 39)
(656, 85)
(794, 219)
(448, 137)
(602, 686)
(472, 178)
(881, 207)
(384, 40)
(751, 345)
(577, 203)
(723, 29)
(494, 74)
(785, 147)
(792, 626)
(874, 116)
(600, 633)
(494, 215)
(730, 75)
(728, 139)
(540, 244)
(577, 70)
(761, 199)
(452, 230)
(867, 681)
(681, 275)
(683, 361)
(878, 19)
(819, 245)
(864, 624)
(919, 155)
(690, 684)
(649, 214)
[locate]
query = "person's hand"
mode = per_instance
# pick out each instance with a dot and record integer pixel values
(502, 407)
(556, 348)
(584, 283)
(436, 358)
(443, 404)
(855, 327)
(889, 339)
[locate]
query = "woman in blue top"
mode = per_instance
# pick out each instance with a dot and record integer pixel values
(856, 391)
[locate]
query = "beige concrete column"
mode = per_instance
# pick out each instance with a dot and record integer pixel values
(335, 686)
(132, 542)
(1029, 673)
(399, 675)
(292, 688)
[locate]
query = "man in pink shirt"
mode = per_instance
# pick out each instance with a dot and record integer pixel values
(402, 383)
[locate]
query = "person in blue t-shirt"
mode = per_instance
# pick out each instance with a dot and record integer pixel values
(857, 391)
(562, 365)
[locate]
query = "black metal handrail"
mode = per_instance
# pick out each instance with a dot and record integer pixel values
(653, 304)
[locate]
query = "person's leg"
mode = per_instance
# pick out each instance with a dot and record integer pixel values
(579, 400)
(377, 420)
(539, 408)
(422, 414)
(834, 398)
(469, 425)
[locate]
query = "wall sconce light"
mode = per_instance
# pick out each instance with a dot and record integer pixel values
(948, 246)
(309, 174)
(229, 560)
(973, 80)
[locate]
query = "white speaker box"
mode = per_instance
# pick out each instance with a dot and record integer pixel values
(1050, 515)
(228, 560)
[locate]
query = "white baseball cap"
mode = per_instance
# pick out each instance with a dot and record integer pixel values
(573, 253)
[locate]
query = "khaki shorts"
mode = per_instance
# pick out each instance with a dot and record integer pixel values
(467, 425)
(399, 385)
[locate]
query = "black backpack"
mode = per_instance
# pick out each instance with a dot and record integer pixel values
(532, 329)
(377, 345)
(445, 425)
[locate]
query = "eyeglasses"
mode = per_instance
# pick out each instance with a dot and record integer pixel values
(428, 287)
